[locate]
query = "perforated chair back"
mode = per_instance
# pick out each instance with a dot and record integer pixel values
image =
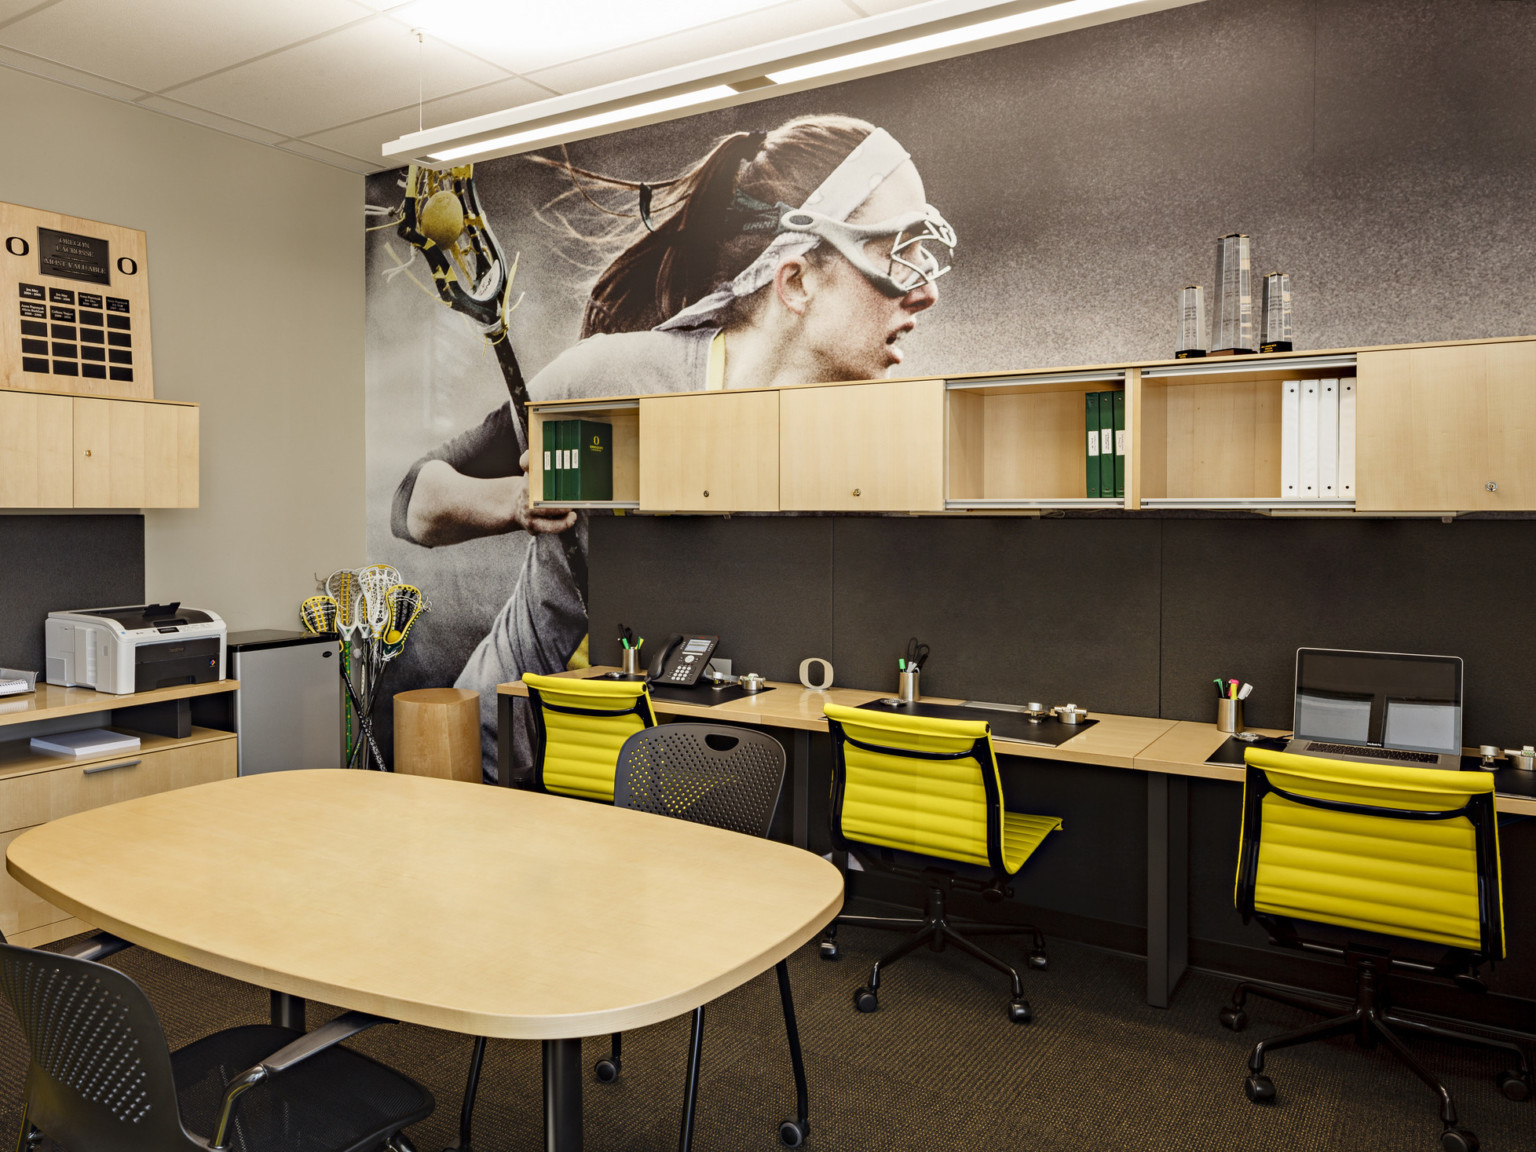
(100, 1077)
(1409, 852)
(713, 774)
(579, 727)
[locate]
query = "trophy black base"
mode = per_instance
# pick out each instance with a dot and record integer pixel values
(1232, 352)
(1276, 346)
(1189, 353)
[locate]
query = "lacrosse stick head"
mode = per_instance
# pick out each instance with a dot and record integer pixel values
(342, 587)
(374, 583)
(318, 614)
(405, 604)
(443, 219)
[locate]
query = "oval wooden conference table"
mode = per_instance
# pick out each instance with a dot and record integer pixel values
(479, 910)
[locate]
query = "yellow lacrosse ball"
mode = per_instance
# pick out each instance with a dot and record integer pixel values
(442, 219)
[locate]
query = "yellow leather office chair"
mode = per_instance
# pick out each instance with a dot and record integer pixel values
(1384, 849)
(579, 727)
(930, 786)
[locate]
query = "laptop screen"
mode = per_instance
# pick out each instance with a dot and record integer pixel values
(1389, 699)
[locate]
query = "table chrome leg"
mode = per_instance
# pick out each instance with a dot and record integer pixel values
(1167, 885)
(562, 1096)
(287, 1011)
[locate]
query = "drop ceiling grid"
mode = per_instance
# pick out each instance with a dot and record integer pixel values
(334, 79)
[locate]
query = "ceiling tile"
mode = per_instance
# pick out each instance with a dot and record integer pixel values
(729, 35)
(366, 138)
(10, 9)
(25, 62)
(153, 44)
(346, 76)
(210, 120)
(526, 37)
(326, 156)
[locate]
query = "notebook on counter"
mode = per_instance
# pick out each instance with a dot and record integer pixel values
(87, 742)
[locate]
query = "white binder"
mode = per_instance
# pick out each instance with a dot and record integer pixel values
(1306, 471)
(1290, 419)
(1347, 439)
(1328, 439)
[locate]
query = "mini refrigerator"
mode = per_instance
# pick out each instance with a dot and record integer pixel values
(287, 710)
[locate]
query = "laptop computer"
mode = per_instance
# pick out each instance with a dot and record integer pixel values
(1378, 707)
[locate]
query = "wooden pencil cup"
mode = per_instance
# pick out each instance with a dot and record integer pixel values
(437, 733)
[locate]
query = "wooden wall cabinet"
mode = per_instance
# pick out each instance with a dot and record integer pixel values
(710, 452)
(624, 416)
(82, 452)
(1447, 429)
(862, 447)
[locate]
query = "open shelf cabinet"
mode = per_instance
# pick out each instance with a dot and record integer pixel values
(624, 415)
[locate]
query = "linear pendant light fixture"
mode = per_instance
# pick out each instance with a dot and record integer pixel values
(908, 36)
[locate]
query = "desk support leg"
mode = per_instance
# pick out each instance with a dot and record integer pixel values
(691, 1090)
(287, 1011)
(562, 1095)
(1167, 885)
(504, 740)
(802, 787)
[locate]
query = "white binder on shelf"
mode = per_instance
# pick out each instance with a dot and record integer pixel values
(1290, 421)
(1306, 470)
(1347, 438)
(1328, 439)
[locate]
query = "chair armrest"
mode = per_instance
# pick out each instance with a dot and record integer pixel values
(98, 947)
(326, 1036)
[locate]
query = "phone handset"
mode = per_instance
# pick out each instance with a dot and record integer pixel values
(682, 659)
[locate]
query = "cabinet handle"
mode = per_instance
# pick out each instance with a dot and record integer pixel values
(856, 492)
(112, 767)
(87, 451)
(706, 491)
(1492, 486)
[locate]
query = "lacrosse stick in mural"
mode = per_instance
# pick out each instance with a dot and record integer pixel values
(442, 218)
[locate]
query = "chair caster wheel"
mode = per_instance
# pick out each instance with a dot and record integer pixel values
(1260, 1089)
(1458, 1140)
(1514, 1086)
(829, 950)
(1019, 1013)
(1039, 961)
(865, 1000)
(792, 1133)
(1234, 1018)
(606, 1070)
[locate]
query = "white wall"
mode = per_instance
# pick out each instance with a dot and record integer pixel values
(256, 298)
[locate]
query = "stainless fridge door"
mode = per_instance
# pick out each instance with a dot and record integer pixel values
(288, 707)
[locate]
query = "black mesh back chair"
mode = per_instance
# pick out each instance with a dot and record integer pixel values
(728, 778)
(102, 1078)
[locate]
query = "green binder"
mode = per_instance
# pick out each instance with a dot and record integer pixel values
(552, 473)
(591, 460)
(1091, 421)
(1119, 404)
(1106, 444)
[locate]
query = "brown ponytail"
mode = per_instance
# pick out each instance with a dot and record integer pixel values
(702, 243)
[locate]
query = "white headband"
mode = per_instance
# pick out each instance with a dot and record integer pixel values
(850, 184)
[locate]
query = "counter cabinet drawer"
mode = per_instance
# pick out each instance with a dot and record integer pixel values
(43, 796)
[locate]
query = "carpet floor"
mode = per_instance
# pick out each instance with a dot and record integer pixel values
(938, 1068)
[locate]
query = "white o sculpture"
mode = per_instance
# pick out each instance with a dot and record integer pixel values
(805, 673)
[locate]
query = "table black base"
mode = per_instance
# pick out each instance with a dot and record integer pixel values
(562, 1096)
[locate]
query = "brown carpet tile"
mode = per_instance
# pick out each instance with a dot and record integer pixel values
(938, 1068)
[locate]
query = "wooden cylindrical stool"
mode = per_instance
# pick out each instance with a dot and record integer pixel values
(437, 733)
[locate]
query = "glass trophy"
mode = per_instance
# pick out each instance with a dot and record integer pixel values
(1232, 323)
(1277, 313)
(1191, 323)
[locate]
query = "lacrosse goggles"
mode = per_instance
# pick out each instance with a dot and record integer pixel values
(922, 244)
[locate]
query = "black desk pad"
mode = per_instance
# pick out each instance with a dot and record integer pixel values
(704, 695)
(1506, 781)
(1047, 733)
(1231, 751)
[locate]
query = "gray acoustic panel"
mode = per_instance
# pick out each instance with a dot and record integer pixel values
(1240, 596)
(1014, 609)
(53, 563)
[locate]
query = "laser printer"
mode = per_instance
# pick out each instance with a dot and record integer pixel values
(135, 648)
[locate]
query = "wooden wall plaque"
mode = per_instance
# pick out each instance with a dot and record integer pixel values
(74, 306)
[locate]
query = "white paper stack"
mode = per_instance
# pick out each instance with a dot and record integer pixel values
(88, 742)
(1317, 440)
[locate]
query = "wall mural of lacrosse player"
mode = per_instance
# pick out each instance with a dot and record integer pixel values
(800, 255)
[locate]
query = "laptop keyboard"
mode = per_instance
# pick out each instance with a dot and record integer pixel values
(1372, 753)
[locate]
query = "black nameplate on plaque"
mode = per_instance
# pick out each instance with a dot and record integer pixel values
(73, 257)
(32, 291)
(116, 304)
(89, 300)
(60, 296)
(35, 311)
(65, 314)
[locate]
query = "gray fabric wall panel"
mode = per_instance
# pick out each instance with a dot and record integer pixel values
(51, 563)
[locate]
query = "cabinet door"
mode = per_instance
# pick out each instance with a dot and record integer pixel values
(1436, 427)
(35, 459)
(710, 452)
(862, 447)
(134, 455)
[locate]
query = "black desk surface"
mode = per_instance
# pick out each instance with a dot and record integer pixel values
(1047, 733)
